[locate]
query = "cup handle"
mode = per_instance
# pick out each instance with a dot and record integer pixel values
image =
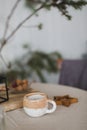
(53, 108)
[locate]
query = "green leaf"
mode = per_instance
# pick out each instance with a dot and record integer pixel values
(25, 46)
(40, 26)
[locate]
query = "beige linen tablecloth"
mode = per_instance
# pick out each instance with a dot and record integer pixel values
(64, 118)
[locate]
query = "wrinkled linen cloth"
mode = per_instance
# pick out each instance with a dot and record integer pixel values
(63, 118)
(74, 73)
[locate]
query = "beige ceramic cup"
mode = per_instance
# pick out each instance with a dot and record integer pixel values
(36, 104)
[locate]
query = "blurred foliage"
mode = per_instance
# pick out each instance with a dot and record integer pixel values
(40, 26)
(37, 61)
(61, 5)
(34, 62)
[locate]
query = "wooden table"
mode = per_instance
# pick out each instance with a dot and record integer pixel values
(64, 118)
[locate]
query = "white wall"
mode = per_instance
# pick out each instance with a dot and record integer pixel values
(58, 34)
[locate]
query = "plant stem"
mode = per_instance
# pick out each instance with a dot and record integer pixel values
(3, 60)
(4, 42)
(27, 18)
(9, 17)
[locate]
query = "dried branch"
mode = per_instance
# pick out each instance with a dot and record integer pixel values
(9, 17)
(7, 23)
(27, 18)
(5, 40)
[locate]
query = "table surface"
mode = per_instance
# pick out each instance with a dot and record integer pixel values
(64, 118)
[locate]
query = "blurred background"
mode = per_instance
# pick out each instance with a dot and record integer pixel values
(34, 50)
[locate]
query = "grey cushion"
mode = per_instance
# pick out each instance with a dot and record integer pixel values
(74, 73)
